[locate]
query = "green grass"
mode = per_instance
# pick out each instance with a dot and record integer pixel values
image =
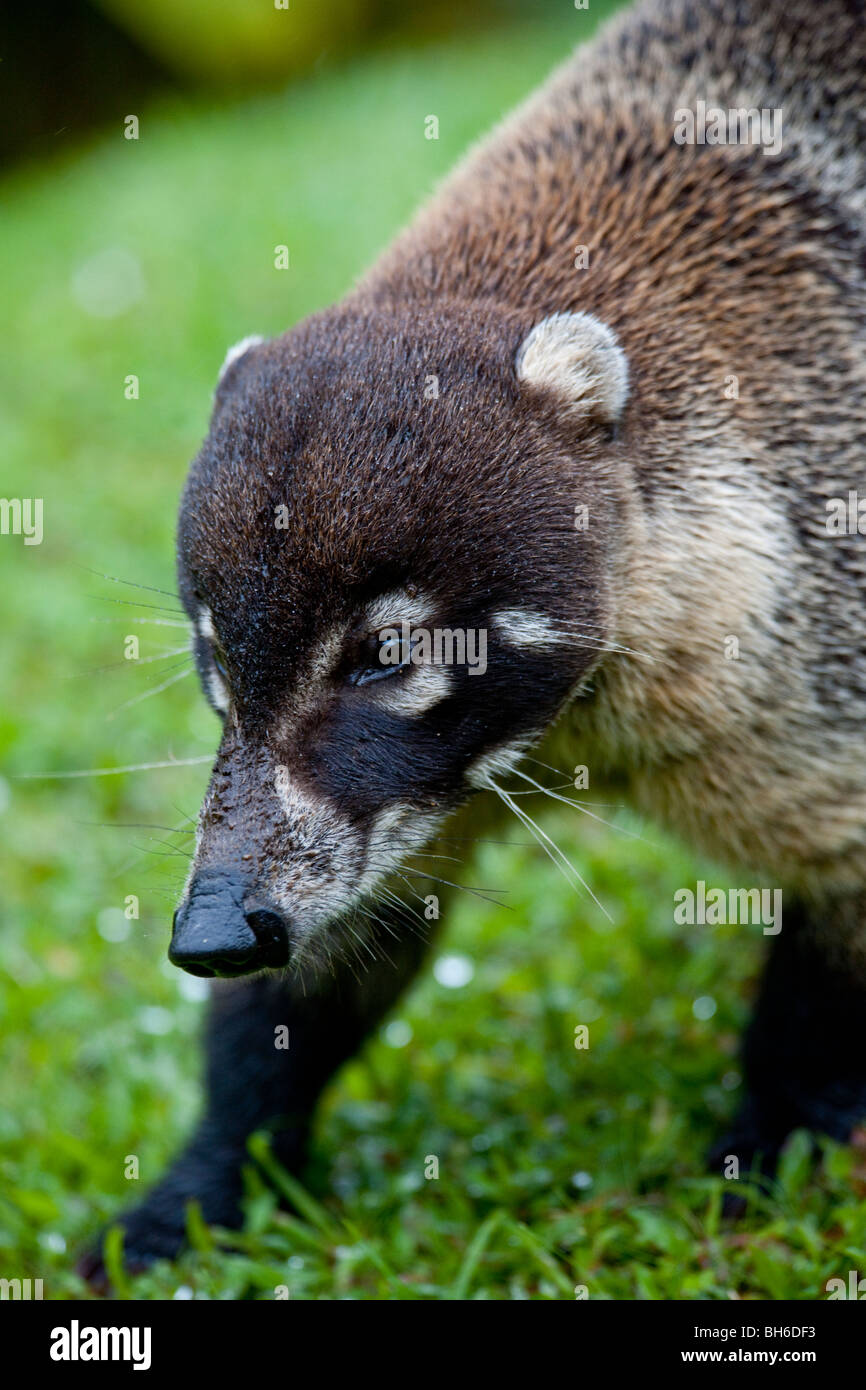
(557, 1167)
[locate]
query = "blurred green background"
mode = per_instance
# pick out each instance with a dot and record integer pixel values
(148, 258)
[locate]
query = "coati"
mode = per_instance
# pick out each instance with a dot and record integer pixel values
(593, 321)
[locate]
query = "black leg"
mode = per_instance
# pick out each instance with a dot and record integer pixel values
(804, 1059)
(253, 1083)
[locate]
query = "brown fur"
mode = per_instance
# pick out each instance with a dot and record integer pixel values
(706, 261)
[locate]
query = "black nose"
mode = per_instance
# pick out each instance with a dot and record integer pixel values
(222, 930)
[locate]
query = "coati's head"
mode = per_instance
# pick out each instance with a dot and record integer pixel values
(393, 592)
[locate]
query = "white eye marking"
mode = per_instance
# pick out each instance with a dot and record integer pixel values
(204, 622)
(326, 656)
(216, 685)
(307, 690)
(426, 684)
(391, 609)
(239, 350)
(416, 692)
(521, 627)
(218, 693)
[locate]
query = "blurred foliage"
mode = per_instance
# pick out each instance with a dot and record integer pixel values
(237, 42)
(241, 41)
(68, 66)
(64, 69)
(557, 1167)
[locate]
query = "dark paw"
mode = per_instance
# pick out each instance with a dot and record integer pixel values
(145, 1240)
(208, 1174)
(91, 1267)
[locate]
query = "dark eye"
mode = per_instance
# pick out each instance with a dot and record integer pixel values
(379, 654)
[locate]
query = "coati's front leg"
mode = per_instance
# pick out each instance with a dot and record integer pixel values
(804, 1058)
(253, 1081)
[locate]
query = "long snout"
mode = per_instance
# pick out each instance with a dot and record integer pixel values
(224, 929)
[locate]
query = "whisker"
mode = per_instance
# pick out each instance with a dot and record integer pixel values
(364, 910)
(113, 771)
(189, 820)
(130, 663)
(531, 759)
(112, 578)
(434, 878)
(360, 940)
(162, 853)
(133, 861)
(544, 840)
(577, 805)
(425, 926)
(136, 622)
(381, 902)
(132, 603)
(599, 644)
(391, 896)
(615, 805)
(414, 922)
(148, 694)
(424, 854)
(173, 849)
(471, 840)
(131, 825)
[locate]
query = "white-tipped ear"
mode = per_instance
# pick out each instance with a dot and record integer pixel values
(577, 357)
(238, 351)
